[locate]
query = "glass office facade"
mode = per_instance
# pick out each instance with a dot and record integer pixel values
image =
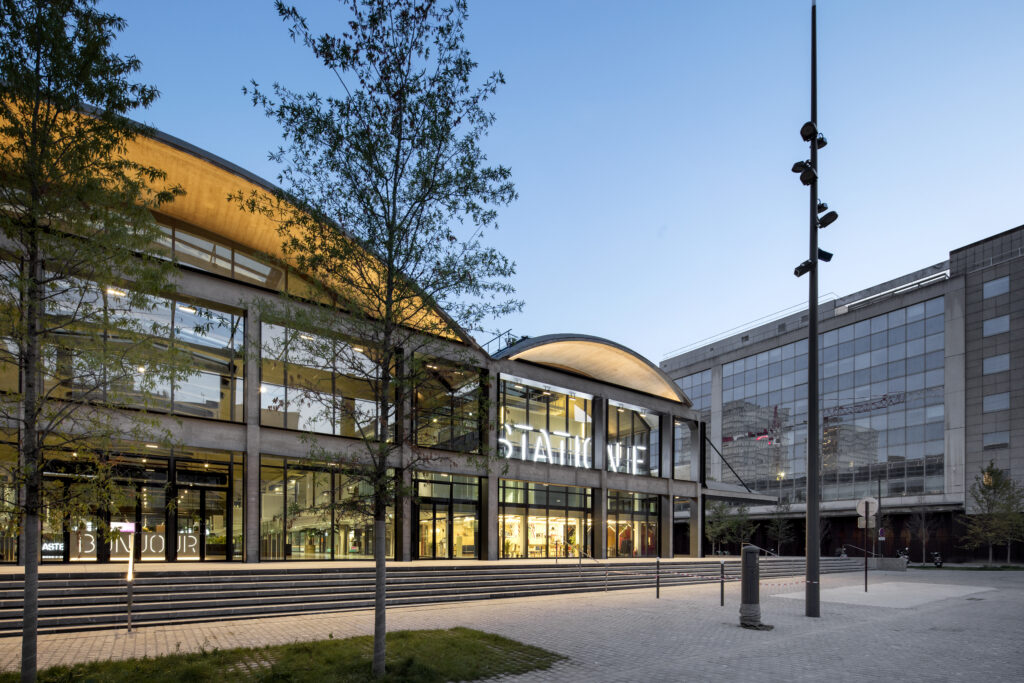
(882, 409)
(545, 424)
(538, 520)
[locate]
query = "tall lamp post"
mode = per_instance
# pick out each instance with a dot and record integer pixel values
(808, 171)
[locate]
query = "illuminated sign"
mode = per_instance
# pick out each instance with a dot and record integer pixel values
(556, 448)
(627, 460)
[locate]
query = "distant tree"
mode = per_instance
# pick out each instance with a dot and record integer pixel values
(779, 528)
(77, 268)
(717, 524)
(741, 527)
(922, 525)
(388, 197)
(998, 505)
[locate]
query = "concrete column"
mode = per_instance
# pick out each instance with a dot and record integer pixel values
(955, 390)
(489, 531)
(403, 517)
(665, 439)
(665, 523)
(251, 463)
(600, 432)
(714, 464)
(601, 520)
(697, 526)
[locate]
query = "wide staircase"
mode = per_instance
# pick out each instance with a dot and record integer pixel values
(74, 601)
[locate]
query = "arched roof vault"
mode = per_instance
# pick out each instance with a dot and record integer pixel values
(598, 359)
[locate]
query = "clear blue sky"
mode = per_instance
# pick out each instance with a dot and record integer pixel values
(651, 141)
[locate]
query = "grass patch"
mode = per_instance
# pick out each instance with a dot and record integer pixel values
(457, 654)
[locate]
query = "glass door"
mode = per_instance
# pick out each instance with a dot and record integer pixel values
(215, 531)
(441, 531)
(190, 524)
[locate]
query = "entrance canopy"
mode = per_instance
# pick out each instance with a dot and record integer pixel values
(598, 359)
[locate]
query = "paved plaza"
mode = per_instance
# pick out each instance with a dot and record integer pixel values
(919, 625)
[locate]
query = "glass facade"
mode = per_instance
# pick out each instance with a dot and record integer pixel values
(634, 445)
(538, 520)
(545, 424)
(187, 504)
(882, 409)
(447, 514)
(449, 408)
(632, 525)
(316, 384)
(685, 448)
(309, 512)
(207, 382)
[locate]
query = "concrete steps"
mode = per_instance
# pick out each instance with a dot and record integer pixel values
(88, 600)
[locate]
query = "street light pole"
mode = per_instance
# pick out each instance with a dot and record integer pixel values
(813, 541)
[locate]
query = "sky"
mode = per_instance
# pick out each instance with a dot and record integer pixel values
(651, 142)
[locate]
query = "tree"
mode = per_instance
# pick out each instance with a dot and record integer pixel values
(388, 196)
(923, 526)
(77, 270)
(780, 527)
(741, 527)
(717, 523)
(998, 504)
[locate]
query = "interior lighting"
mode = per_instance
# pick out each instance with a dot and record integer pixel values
(187, 309)
(114, 291)
(151, 445)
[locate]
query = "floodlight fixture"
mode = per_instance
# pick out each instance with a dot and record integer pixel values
(821, 141)
(828, 219)
(803, 268)
(801, 166)
(825, 256)
(808, 131)
(822, 206)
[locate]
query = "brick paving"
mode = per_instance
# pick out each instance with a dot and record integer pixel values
(630, 636)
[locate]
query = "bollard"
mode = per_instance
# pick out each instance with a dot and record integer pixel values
(750, 607)
(130, 592)
(657, 579)
(721, 585)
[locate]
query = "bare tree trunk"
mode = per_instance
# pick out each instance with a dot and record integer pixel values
(31, 460)
(380, 595)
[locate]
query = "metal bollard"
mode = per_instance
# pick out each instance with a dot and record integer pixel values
(750, 607)
(721, 584)
(657, 578)
(130, 592)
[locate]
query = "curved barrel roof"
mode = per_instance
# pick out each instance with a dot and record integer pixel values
(598, 359)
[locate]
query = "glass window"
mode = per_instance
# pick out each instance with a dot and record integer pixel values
(996, 402)
(447, 407)
(994, 440)
(632, 525)
(555, 522)
(996, 287)
(633, 445)
(541, 423)
(994, 326)
(994, 364)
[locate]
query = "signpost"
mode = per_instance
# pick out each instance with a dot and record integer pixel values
(864, 508)
(128, 528)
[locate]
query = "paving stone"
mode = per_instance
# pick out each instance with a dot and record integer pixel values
(971, 633)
